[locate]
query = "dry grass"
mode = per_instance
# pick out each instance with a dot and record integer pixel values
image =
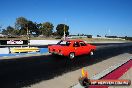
(40, 38)
(99, 39)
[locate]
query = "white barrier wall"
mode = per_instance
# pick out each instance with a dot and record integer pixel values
(43, 42)
(4, 50)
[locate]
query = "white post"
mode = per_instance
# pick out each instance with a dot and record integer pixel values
(28, 37)
(64, 33)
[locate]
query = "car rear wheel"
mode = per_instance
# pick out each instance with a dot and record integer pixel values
(54, 54)
(91, 53)
(72, 55)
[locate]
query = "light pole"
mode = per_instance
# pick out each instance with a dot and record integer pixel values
(64, 32)
(28, 37)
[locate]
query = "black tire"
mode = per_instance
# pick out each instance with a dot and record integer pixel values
(85, 82)
(91, 53)
(72, 55)
(53, 54)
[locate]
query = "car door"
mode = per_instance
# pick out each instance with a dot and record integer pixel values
(85, 49)
(77, 48)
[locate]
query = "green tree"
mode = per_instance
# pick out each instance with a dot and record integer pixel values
(46, 28)
(21, 24)
(60, 29)
(4, 32)
(0, 29)
(33, 27)
(10, 31)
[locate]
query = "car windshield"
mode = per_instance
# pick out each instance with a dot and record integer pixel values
(64, 43)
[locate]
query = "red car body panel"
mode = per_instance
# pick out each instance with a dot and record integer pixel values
(65, 50)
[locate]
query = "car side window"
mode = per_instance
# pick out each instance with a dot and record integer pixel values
(68, 43)
(82, 44)
(76, 44)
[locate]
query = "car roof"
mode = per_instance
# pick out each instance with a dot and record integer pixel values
(74, 40)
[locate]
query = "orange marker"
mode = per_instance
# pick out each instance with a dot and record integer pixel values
(84, 73)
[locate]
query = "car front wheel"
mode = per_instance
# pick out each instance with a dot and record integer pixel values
(72, 55)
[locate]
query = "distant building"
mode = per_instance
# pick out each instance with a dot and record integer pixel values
(1, 35)
(111, 36)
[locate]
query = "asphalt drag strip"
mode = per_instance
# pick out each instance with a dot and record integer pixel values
(28, 71)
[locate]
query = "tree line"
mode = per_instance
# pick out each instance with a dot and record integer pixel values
(45, 28)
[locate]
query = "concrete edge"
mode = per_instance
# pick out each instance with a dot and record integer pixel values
(103, 73)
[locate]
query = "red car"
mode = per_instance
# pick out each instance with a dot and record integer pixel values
(72, 48)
